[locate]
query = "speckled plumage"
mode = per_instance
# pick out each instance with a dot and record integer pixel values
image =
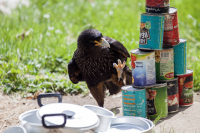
(94, 64)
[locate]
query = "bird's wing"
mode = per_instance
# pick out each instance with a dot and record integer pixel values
(74, 72)
(117, 46)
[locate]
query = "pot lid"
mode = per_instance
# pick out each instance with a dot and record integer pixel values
(141, 52)
(77, 116)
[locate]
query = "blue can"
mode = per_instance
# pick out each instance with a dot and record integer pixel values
(180, 58)
(151, 31)
(134, 101)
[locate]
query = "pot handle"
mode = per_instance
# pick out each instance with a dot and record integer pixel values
(40, 96)
(54, 126)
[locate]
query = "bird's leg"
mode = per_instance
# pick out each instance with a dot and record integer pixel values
(124, 75)
(119, 68)
(98, 93)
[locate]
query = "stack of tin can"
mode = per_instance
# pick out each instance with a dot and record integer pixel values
(160, 80)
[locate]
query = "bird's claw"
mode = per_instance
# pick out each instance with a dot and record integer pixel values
(119, 68)
(118, 79)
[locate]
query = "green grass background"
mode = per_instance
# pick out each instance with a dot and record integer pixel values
(40, 60)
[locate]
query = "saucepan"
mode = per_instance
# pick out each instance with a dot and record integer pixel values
(58, 117)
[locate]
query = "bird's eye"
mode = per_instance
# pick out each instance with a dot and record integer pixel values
(98, 42)
(91, 41)
(101, 40)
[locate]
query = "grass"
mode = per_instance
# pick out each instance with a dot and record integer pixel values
(39, 61)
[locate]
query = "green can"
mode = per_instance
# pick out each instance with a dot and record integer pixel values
(157, 101)
(164, 64)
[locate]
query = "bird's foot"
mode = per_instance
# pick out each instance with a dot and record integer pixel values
(119, 68)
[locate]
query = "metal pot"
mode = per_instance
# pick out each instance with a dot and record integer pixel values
(15, 129)
(104, 115)
(59, 118)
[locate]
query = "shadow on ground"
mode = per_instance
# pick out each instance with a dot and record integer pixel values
(170, 115)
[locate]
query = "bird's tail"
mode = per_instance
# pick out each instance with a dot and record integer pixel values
(113, 88)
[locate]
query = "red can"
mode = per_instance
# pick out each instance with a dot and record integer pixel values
(185, 86)
(157, 6)
(171, 32)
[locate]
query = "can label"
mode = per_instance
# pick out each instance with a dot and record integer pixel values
(172, 95)
(157, 6)
(151, 31)
(151, 102)
(180, 57)
(171, 31)
(157, 102)
(134, 103)
(144, 32)
(143, 69)
(164, 64)
(185, 83)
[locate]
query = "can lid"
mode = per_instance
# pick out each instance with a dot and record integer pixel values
(131, 88)
(154, 14)
(165, 81)
(158, 85)
(141, 52)
(188, 71)
(182, 40)
(172, 10)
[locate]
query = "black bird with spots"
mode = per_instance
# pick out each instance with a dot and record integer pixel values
(94, 61)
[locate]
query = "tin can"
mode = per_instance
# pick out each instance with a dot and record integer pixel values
(172, 95)
(143, 67)
(171, 31)
(133, 101)
(151, 31)
(180, 57)
(164, 64)
(157, 101)
(185, 86)
(157, 6)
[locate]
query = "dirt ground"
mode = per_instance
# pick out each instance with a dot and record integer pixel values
(12, 106)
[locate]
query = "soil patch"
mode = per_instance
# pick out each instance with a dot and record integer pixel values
(12, 106)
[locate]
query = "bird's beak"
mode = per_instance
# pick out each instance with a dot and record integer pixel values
(103, 42)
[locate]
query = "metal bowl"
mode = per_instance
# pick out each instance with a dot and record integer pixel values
(105, 117)
(127, 124)
(150, 130)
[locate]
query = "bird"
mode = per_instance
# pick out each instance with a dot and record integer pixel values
(100, 61)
